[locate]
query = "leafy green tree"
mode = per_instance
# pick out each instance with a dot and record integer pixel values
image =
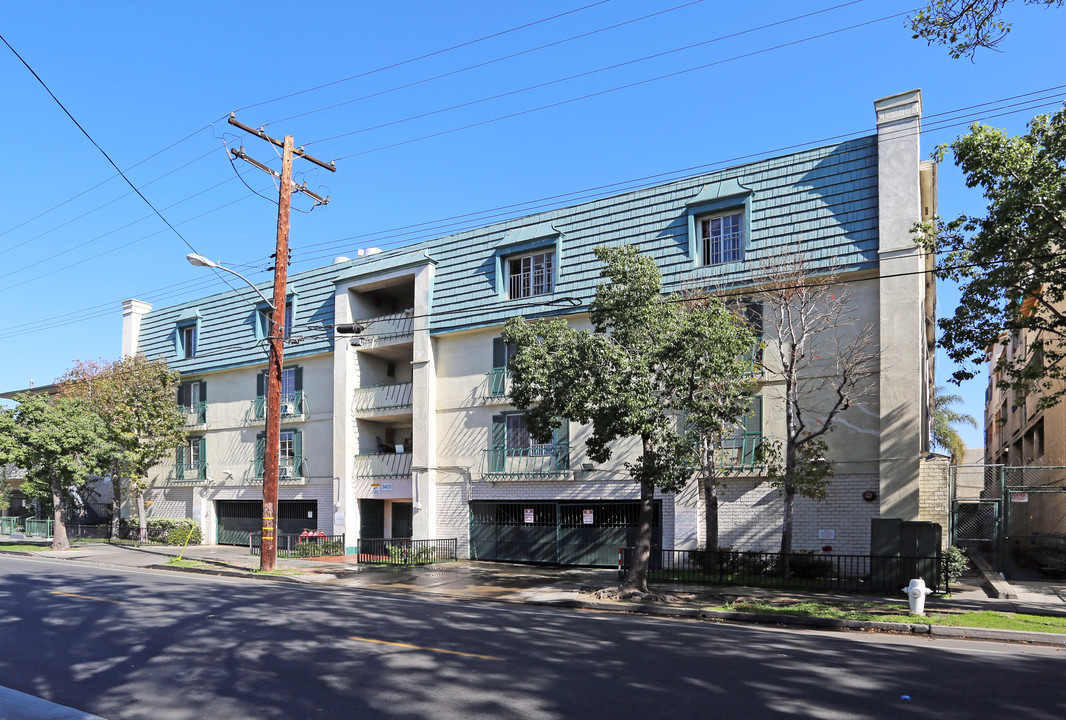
(60, 443)
(824, 361)
(137, 400)
(945, 418)
(967, 25)
(649, 363)
(1009, 263)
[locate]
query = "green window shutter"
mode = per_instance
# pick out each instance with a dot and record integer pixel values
(752, 430)
(753, 420)
(260, 396)
(201, 411)
(203, 458)
(181, 395)
(298, 451)
(562, 446)
(753, 314)
(499, 353)
(179, 464)
(298, 379)
(260, 454)
(498, 451)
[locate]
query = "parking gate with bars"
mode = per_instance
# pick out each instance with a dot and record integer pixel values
(239, 518)
(564, 533)
(1010, 512)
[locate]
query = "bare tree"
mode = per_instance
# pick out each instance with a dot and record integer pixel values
(825, 360)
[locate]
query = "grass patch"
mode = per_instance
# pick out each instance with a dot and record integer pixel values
(23, 547)
(898, 613)
(183, 562)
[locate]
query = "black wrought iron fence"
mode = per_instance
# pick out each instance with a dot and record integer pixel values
(303, 545)
(806, 571)
(401, 551)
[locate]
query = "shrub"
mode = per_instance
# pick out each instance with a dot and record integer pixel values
(809, 565)
(171, 531)
(955, 563)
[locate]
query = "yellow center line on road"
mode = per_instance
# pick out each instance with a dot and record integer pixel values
(88, 597)
(419, 647)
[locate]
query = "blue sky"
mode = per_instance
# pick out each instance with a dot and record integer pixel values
(599, 110)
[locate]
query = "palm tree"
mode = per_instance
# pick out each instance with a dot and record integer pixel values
(944, 421)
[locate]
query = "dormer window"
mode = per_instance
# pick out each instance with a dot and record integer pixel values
(187, 342)
(530, 275)
(722, 238)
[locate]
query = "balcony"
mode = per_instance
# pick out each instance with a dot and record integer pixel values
(382, 465)
(739, 453)
(386, 330)
(293, 406)
(497, 382)
(189, 474)
(380, 400)
(530, 462)
(195, 414)
(290, 470)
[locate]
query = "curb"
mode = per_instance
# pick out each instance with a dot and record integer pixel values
(220, 572)
(947, 631)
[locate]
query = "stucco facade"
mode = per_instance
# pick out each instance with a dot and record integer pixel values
(404, 429)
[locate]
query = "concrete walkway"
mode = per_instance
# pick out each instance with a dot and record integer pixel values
(574, 587)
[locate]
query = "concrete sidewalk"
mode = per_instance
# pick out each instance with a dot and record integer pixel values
(575, 587)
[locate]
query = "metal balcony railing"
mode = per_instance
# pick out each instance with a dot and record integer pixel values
(290, 470)
(382, 465)
(739, 452)
(387, 327)
(195, 414)
(540, 461)
(189, 473)
(292, 406)
(497, 381)
(382, 397)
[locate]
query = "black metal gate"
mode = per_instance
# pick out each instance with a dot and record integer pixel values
(239, 518)
(564, 533)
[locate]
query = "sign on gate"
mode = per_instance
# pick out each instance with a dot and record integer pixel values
(1019, 497)
(586, 517)
(529, 515)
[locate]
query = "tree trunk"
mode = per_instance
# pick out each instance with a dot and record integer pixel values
(636, 582)
(710, 512)
(59, 530)
(142, 521)
(116, 503)
(786, 528)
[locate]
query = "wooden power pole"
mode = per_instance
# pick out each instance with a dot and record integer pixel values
(276, 336)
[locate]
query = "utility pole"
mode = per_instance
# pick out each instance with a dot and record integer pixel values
(276, 337)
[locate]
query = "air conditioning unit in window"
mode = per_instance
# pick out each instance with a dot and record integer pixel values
(284, 472)
(288, 408)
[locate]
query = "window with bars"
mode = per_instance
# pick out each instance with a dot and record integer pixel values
(531, 275)
(722, 238)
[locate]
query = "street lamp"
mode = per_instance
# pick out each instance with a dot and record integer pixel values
(268, 547)
(200, 261)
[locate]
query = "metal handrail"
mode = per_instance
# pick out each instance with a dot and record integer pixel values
(382, 465)
(543, 460)
(383, 397)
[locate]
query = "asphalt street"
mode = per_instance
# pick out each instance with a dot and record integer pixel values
(121, 643)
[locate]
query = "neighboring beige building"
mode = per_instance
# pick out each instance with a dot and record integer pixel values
(405, 429)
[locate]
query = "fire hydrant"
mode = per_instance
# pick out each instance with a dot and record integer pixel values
(916, 592)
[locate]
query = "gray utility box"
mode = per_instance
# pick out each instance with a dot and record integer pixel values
(901, 550)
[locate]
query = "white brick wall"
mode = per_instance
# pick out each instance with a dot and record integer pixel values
(750, 513)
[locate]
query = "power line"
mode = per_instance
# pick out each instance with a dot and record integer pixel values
(424, 56)
(555, 43)
(599, 93)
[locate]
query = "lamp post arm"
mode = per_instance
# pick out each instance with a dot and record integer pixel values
(250, 284)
